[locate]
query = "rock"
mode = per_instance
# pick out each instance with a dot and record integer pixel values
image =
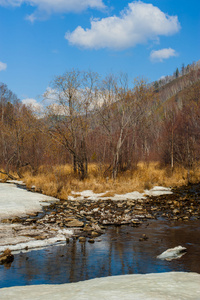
(6, 257)
(136, 223)
(40, 237)
(94, 234)
(6, 221)
(91, 241)
(87, 228)
(69, 219)
(82, 239)
(143, 238)
(74, 223)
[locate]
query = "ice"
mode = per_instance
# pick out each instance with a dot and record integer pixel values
(90, 195)
(18, 237)
(19, 202)
(172, 253)
(157, 191)
(160, 286)
(16, 201)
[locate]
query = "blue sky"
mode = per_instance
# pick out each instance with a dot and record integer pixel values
(40, 39)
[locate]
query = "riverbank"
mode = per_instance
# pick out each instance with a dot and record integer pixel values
(61, 182)
(84, 216)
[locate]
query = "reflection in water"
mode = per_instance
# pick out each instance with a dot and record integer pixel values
(118, 252)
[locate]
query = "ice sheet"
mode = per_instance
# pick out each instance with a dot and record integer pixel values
(15, 201)
(160, 286)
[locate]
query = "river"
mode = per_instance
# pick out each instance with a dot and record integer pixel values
(117, 252)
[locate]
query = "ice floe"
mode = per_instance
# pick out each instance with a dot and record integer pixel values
(172, 253)
(159, 286)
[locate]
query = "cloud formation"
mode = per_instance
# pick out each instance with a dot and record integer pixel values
(45, 8)
(137, 24)
(30, 102)
(3, 66)
(160, 55)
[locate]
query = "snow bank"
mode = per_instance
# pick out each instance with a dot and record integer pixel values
(160, 286)
(90, 195)
(15, 201)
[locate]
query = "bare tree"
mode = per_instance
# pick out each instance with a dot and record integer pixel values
(73, 94)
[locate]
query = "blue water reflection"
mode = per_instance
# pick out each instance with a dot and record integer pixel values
(119, 252)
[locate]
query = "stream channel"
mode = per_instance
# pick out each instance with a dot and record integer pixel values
(118, 251)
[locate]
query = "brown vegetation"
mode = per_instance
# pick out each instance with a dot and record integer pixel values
(104, 135)
(60, 181)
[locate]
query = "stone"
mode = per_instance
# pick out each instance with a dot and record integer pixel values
(6, 221)
(94, 234)
(82, 239)
(87, 228)
(6, 257)
(143, 238)
(74, 223)
(40, 237)
(91, 241)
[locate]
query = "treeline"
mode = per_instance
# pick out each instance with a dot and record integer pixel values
(102, 121)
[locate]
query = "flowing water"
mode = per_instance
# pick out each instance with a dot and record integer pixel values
(117, 252)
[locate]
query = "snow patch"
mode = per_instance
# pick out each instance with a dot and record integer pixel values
(15, 201)
(90, 195)
(165, 286)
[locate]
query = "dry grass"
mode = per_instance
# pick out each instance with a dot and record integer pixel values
(59, 181)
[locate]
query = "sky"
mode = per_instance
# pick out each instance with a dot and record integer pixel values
(40, 39)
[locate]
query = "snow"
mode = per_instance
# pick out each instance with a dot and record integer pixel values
(157, 191)
(16, 201)
(21, 241)
(172, 253)
(90, 195)
(160, 286)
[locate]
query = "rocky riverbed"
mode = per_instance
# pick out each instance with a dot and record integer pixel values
(87, 219)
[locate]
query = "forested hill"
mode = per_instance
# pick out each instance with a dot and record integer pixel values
(105, 123)
(170, 86)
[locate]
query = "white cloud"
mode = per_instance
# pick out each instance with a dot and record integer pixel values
(47, 7)
(3, 66)
(137, 24)
(160, 55)
(33, 104)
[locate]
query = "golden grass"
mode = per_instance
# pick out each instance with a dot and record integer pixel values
(59, 181)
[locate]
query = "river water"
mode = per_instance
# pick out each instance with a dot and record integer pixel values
(119, 251)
